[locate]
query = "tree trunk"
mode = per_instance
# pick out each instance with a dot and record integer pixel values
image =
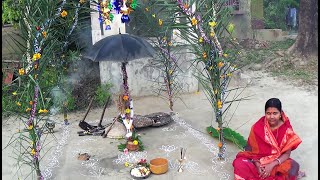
(307, 40)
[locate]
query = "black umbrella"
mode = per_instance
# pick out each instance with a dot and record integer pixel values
(121, 48)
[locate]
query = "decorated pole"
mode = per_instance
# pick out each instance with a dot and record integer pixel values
(127, 115)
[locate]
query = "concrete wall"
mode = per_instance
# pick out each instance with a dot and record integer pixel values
(242, 21)
(268, 35)
(142, 74)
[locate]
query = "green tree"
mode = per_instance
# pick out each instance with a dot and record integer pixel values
(48, 30)
(199, 25)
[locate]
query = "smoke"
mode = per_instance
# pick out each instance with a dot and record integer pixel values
(58, 97)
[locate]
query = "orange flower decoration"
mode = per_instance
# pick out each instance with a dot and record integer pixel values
(36, 56)
(44, 34)
(194, 21)
(125, 98)
(30, 102)
(33, 152)
(220, 64)
(219, 104)
(220, 144)
(204, 55)
(186, 6)
(64, 13)
(21, 71)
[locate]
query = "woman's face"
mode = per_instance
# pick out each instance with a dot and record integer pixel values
(273, 116)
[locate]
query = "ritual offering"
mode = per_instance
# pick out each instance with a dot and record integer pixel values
(133, 144)
(159, 165)
(140, 172)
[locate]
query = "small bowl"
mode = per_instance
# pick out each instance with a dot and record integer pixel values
(159, 165)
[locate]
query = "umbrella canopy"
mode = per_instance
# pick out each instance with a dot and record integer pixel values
(121, 48)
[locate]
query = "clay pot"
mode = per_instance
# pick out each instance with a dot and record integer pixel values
(131, 147)
(159, 165)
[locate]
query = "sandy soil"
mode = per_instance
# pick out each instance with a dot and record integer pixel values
(188, 130)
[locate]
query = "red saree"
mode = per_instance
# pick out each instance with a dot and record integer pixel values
(265, 146)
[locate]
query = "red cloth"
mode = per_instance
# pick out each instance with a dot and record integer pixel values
(265, 146)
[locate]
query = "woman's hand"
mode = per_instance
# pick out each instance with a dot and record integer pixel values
(259, 168)
(267, 168)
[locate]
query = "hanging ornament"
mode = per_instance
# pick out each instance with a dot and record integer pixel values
(125, 13)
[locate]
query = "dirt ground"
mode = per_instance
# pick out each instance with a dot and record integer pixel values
(300, 103)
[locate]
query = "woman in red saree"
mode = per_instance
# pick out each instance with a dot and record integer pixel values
(270, 142)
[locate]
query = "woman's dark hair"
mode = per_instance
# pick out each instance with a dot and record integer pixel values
(273, 102)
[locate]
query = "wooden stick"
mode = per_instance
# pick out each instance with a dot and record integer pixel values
(88, 109)
(104, 109)
(109, 128)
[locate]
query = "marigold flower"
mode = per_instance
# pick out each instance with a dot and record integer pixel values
(36, 56)
(30, 127)
(210, 68)
(31, 102)
(135, 142)
(225, 55)
(82, 1)
(170, 71)
(186, 6)
(64, 13)
(21, 71)
(220, 144)
(215, 91)
(200, 40)
(154, 15)
(219, 104)
(44, 34)
(14, 93)
(229, 74)
(126, 164)
(18, 103)
(212, 34)
(28, 109)
(42, 111)
(160, 22)
(220, 64)
(125, 97)
(194, 21)
(33, 152)
(204, 55)
(127, 110)
(218, 129)
(212, 23)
